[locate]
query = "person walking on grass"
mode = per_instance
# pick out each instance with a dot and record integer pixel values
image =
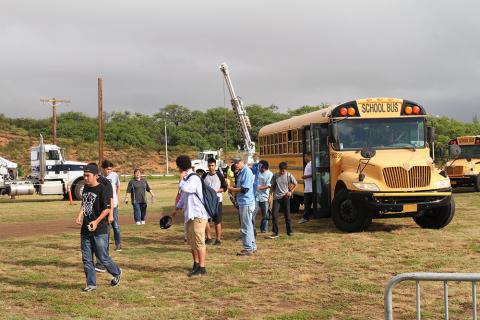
(214, 179)
(107, 169)
(283, 185)
(138, 188)
(246, 206)
(308, 192)
(262, 194)
(194, 212)
(92, 217)
(109, 191)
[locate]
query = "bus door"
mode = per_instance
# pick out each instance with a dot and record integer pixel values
(315, 141)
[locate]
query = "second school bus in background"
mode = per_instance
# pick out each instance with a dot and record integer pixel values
(464, 169)
(371, 158)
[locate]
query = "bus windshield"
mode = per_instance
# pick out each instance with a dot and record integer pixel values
(354, 134)
(470, 151)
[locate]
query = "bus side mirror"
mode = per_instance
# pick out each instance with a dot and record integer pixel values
(454, 150)
(333, 134)
(430, 135)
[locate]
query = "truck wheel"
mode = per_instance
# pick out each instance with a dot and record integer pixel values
(200, 172)
(78, 189)
(436, 218)
(346, 216)
(477, 184)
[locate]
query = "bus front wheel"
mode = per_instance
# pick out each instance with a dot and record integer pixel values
(436, 218)
(346, 216)
(477, 183)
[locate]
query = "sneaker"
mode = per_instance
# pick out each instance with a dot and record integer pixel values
(199, 272)
(244, 252)
(89, 288)
(263, 231)
(208, 241)
(138, 223)
(143, 222)
(273, 236)
(217, 242)
(118, 248)
(100, 268)
(116, 280)
(194, 268)
(302, 221)
(290, 234)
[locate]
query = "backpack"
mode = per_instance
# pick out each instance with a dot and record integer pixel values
(210, 198)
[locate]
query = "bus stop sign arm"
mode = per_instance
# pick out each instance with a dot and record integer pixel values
(241, 116)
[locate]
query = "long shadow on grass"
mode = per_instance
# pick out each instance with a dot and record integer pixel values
(325, 225)
(65, 265)
(38, 284)
(29, 200)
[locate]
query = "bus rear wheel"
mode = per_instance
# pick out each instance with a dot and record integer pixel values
(346, 216)
(436, 218)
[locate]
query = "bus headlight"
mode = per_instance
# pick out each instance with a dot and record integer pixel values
(366, 186)
(445, 183)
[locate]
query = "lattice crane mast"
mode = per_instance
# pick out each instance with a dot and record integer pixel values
(241, 116)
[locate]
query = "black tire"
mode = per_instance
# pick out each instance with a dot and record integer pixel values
(200, 172)
(77, 189)
(436, 218)
(346, 216)
(477, 184)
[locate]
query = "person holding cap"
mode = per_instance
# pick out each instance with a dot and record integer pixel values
(246, 206)
(194, 212)
(92, 217)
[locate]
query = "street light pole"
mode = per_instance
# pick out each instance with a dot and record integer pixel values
(166, 144)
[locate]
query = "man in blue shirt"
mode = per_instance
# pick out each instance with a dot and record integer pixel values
(246, 206)
(262, 194)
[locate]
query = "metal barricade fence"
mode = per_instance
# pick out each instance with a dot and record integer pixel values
(430, 276)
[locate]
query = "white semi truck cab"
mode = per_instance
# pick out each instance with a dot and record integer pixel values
(51, 174)
(200, 165)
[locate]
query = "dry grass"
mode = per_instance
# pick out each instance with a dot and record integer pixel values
(319, 273)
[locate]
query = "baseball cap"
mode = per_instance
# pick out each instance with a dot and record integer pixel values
(236, 160)
(90, 168)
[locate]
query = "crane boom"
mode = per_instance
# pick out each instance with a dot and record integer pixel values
(241, 115)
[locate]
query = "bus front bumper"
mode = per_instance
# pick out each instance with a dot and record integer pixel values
(385, 203)
(463, 181)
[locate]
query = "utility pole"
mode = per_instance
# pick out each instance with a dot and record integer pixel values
(53, 103)
(166, 144)
(100, 121)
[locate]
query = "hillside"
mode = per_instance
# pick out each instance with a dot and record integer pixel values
(15, 146)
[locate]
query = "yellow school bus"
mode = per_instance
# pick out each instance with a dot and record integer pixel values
(464, 169)
(371, 158)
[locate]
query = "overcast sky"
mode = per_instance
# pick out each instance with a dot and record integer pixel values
(287, 53)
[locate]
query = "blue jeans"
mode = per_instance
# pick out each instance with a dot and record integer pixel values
(97, 244)
(139, 211)
(263, 207)
(248, 237)
(116, 227)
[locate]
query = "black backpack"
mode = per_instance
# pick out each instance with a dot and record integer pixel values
(210, 198)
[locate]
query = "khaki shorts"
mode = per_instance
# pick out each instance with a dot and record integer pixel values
(196, 233)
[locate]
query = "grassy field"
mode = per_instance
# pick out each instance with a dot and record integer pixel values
(319, 273)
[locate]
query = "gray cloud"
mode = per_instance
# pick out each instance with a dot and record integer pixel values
(151, 53)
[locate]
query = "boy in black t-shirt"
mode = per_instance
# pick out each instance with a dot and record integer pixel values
(94, 232)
